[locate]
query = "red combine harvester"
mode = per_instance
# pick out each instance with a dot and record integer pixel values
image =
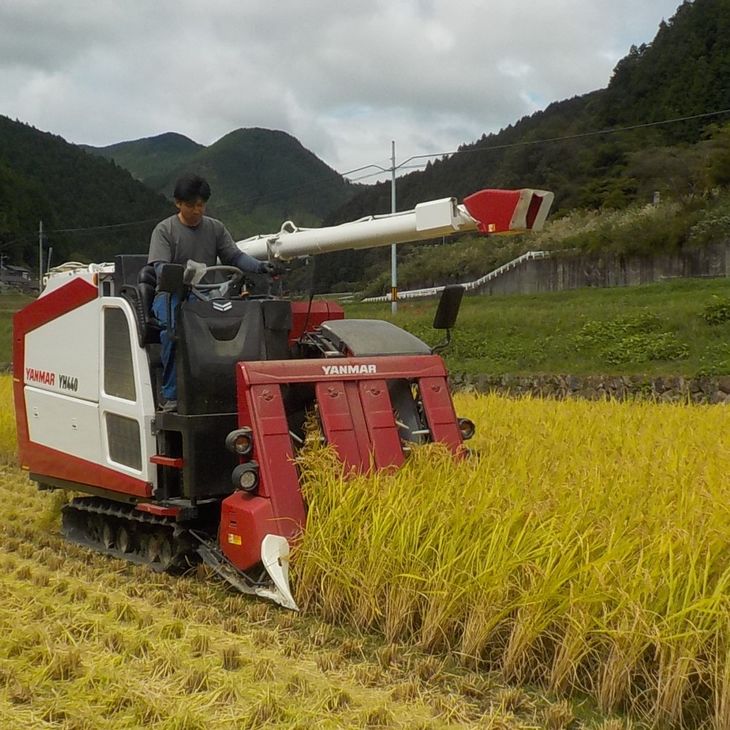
(217, 481)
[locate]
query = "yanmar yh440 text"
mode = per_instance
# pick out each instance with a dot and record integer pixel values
(217, 480)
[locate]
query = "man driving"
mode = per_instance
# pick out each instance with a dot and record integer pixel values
(190, 235)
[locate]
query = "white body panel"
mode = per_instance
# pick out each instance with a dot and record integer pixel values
(67, 405)
(68, 346)
(69, 425)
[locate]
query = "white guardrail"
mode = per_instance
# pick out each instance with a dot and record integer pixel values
(469, 285)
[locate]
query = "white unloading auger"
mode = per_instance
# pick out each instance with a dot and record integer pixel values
(486, 211)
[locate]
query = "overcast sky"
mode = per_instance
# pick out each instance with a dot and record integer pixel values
(343, 77)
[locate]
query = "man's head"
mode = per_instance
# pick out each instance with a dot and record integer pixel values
(191, 194)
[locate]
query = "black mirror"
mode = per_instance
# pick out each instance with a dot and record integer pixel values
(448, 308)
(170, 279)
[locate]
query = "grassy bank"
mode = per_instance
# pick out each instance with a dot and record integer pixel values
(656, 329)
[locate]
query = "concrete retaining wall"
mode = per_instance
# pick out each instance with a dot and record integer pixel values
(565, 271)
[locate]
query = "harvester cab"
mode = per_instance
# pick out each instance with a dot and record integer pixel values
(217, 480)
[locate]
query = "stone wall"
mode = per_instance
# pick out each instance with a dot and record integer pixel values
(569, 271)
(674, 389)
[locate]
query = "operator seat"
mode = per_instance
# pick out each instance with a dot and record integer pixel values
(140, 296)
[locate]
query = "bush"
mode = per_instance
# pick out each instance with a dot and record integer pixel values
(717, 312)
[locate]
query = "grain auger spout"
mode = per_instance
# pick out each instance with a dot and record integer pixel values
(486, 211)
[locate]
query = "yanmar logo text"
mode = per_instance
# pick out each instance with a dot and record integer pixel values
(46, 377)
(40, 376)
(349, 369)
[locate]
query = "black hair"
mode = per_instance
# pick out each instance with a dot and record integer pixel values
(189, 188)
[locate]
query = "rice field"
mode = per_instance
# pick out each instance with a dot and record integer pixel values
(573, 573)
(584, 548)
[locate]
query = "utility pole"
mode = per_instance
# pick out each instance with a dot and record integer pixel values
(393, 259)
(40, 255)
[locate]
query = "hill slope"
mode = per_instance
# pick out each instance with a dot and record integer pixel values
(43, 177)
(150, 159)
(684, 72)
(259, 177)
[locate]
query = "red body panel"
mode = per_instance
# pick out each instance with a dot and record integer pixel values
(320, 311)
(245, 522)
(44, 461)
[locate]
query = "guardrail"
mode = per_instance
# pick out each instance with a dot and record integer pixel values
(469, 285)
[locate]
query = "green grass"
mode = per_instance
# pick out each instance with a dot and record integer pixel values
(655, 329)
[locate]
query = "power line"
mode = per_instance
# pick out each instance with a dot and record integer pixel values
(101, 228)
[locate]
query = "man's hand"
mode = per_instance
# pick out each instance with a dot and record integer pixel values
(271, 268)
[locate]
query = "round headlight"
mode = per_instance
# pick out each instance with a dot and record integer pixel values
(466, 427)
(246, 476)
(240, 441)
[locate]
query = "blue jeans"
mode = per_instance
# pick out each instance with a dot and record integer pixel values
(166, 316)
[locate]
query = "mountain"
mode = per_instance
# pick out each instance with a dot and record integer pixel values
(43, 177)
(259, 177)
(153, 159)
(683, 72)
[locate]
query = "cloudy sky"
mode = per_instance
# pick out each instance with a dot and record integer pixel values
(343, 77)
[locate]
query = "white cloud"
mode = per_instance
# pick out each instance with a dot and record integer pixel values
(343, 77)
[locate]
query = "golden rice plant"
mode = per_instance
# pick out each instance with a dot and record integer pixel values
(585, 546)
(7, 421)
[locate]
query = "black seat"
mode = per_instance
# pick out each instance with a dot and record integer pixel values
(140, 296)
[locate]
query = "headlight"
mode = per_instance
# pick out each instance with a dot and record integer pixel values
(466, 427)
(240, 441)
(246, 476)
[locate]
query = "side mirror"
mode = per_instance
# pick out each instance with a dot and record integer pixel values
(448, 308)
(170, 279)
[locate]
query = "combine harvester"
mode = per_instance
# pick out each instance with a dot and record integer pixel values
(217, 480)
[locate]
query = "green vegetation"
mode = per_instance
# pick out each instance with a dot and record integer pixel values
(9, 304)
(152, 159)
(42, 177)
(674, 327)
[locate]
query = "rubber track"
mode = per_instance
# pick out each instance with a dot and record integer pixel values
(147, 533)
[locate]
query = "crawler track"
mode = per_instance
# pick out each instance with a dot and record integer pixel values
(119, 530)
(160, 543)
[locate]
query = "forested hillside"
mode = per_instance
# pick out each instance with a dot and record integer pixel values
(42, 177)
(684, 71)
(152, 159)
(259, 177)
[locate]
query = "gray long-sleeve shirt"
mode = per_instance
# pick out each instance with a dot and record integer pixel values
(173, 242)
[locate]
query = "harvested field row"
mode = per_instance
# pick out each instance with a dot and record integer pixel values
(88, 642)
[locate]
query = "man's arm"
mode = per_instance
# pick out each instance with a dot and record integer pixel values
(231, 255)
(160, 245)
